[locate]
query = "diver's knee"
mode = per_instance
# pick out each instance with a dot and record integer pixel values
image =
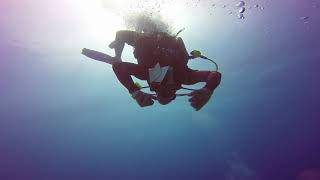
(120, 33)
(124, 34)
(218, 76)
(117, 66)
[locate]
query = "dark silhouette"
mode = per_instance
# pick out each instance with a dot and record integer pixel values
(162, 62)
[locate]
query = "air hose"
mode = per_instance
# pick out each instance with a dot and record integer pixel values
(197, 54)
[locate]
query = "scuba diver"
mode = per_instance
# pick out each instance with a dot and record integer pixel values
(162, 62)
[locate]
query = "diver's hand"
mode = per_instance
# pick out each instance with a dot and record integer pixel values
(199, 98)
(143, 99)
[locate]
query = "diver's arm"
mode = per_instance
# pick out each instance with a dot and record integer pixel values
(123, 37)
(124, 70)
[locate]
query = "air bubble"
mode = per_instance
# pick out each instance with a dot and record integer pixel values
(242, 10)
(305, 18)
(240, 4)
(240, 16)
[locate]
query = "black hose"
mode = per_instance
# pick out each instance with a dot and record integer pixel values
(217, 67)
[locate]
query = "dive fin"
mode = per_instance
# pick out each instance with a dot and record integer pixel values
(99, 56)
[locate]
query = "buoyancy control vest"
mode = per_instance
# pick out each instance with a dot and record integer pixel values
(164, 49)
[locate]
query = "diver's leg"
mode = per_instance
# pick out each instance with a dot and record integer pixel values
(124, 71)
(98, 56)
(200, 97)
(122, 37)
(212, 79)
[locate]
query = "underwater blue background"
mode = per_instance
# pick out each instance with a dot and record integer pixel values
(66, 117)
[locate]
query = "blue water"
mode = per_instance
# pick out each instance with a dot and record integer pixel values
(65, 117)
